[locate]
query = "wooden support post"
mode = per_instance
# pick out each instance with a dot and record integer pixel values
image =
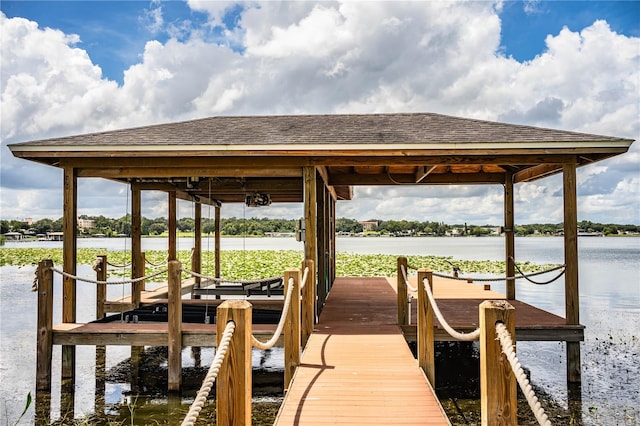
(572, 298)
(403, 315)
(45, 325)
(174, 343)
(217, 242)
(426, 351)
(143, 271)
(509, 235)
(311, 220)
(292, 326)
(308, 316)
(498, 402)
(173, 219)
(101, 289)
(101, 380)
(233, 384)
(69, 260)
(196, 259)
(137, 263)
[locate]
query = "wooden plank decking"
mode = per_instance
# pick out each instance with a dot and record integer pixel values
(357, 367)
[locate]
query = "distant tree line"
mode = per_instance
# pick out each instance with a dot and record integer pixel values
(101, 225)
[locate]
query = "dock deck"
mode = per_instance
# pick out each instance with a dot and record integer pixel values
(357, 367)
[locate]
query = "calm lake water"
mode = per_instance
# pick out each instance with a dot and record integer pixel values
(609, 304)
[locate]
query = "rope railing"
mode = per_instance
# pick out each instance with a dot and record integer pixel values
(406, 279)
(467, 337)
(522, 275)
(305, 275)
(507, 348)
(113, 265)
(515, 277)
(276, 335)
(87, 280)
(224, 280)
(210, 378)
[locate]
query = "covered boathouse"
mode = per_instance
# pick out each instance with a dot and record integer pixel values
(316, 160)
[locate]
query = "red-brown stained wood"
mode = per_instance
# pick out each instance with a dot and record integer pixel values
(357, 368)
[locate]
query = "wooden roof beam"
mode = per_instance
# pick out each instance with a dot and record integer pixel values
(536, 172)
(423, 172)
(169, 172)
(409, 179)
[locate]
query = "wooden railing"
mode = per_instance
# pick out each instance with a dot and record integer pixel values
(497, 381)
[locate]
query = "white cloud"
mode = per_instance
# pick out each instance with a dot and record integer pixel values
(305, 57)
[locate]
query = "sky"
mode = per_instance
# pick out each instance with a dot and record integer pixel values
(74, 67)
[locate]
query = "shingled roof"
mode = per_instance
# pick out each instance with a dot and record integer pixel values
(308, 130)
(365, 149)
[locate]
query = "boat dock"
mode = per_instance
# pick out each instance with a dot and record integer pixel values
(357, 367)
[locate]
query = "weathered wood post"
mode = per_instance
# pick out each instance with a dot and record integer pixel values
(497, 382)
(45, 325)
(196, 259)
(292, 326)
(175, 327)
(101, 381)
(426, 355)
(233, 384)
(101, 289)
(572, 295)
(403, 315)
(308, 302)
(44, 341)
(143, 271)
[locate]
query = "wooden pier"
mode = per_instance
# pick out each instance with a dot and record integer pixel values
(357, 367)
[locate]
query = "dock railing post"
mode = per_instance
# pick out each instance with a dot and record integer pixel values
(174, 326)
(403, 316)
(45, 325)
(292, 327)
(426, 351)
(233, 384)
(308, 302)
(498, 402)
(101, 289)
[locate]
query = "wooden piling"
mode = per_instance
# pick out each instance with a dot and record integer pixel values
(498, 402)
(234, 381)
(403, 315)
(137, 259)
(426, 351)
(44, 342)
(101, 289)
(292, 326)
(174, 327)
(572, 296)
(308, 303)
(509, 235)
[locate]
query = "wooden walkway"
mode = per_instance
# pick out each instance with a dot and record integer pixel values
(357, 367)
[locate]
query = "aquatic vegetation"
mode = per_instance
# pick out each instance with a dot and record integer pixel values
(249, 264)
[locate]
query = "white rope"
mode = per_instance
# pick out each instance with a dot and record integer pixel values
(304, 278)
(221, 280)
(210, 378)
(276, 335)
(406, 280)
(87, 280)
(515, 277)
(507, 348)
(467, 337)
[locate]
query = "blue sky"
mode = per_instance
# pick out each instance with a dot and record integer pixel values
(573, 65)
(114, 33)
